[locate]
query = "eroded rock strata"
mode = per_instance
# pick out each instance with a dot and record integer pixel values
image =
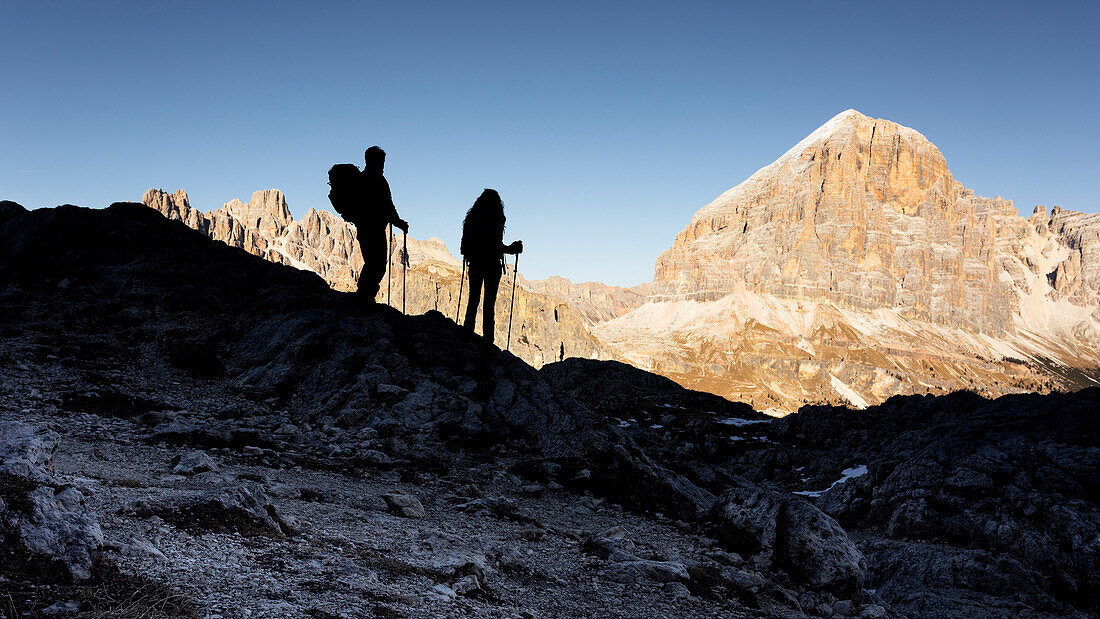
(855, 267)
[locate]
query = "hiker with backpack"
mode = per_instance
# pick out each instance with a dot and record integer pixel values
(483, 250)
(364, 199)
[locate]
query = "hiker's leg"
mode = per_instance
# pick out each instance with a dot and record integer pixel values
(492, 282)
(373, 245)
(476, 276)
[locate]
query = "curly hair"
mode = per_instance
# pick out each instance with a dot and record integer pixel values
(483, 227)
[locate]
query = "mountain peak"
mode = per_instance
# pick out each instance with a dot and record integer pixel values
(849, 115)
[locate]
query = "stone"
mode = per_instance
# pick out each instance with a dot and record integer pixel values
(373, 456)
(390, 393)
(243, 508)
(784, 532)
(444, 591)
(405, 505)
(194, 462)
(532, 490)
(26, 451)
(642, 570)
(44, 518)
(141, 547)
(58, 525)
(66, 608)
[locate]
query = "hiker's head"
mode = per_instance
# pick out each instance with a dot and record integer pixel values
(375, 159)
(483, 227)
(489, 203)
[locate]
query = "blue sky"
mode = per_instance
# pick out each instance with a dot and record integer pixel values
(604, 126)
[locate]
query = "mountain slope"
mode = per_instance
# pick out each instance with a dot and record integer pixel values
(855, 267)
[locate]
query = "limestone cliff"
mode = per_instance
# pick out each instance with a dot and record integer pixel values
(855, 267)
(595, 301)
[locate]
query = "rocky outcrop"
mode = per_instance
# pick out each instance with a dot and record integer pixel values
(782, 532)
(1078, 275)
(36, 511)
(968, 496)
(243, 509)
(957, 504)
(855, 267)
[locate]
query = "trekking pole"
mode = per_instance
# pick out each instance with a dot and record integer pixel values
(461, 279)
(404, 266)
(389, 263)
(515, 271)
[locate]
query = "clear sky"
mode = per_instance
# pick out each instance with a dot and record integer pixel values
(604, 126)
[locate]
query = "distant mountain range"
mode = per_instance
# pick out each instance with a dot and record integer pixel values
(852, 268)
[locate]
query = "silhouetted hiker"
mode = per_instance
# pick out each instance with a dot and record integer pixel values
(483, 249)
(364, 199)
(561, 355)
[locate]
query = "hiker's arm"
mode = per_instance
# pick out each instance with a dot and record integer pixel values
(399, 223)
(515, 248)
(395, 219)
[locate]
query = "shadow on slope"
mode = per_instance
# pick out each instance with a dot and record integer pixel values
(962, 505)
(125, 285)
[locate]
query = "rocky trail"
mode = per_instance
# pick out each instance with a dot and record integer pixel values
(188, 430)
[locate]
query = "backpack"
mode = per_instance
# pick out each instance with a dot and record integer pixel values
(481, 236)
(344, 180)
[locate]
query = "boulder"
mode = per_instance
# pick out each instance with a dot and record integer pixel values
(405, 505)
(46, 519)
(194, 462)
(27, 452)
(59, 525)
(644, 570)
(784, 532)
(243, 508)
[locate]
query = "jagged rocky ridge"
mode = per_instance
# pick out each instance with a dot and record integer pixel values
(855, 267)
(246, 434)
(544, 324)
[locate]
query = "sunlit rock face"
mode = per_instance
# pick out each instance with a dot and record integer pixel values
(543, 328)
(863, 213)
(855, 267)
(595, 301)
(320, 242)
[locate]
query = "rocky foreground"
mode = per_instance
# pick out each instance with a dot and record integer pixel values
(188, 430)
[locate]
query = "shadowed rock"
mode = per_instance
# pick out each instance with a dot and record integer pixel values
(788, 533)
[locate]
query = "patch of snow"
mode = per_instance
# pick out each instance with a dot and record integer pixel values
(731, 421)
(851, 473)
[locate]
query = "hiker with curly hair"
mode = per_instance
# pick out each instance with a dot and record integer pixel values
(483, 249)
